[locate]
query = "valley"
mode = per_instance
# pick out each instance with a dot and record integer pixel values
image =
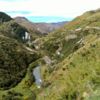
(55, 61)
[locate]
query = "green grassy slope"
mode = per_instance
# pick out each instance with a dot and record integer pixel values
(75, 76)
(66, 38)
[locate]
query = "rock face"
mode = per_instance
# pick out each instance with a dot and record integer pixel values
(26, 36)
(47, 60)
(71, 36)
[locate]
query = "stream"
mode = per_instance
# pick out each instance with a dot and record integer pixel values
(37, 75)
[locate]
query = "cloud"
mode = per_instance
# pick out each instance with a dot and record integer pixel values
(64, 8)
(17, 12)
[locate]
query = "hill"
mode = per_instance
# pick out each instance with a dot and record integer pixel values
(74, 52)
(14, 55)
(14, 61)
(43, 28)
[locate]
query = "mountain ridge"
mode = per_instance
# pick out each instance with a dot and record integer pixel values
(44, 28)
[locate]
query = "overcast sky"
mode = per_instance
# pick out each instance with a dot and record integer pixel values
(58, 8)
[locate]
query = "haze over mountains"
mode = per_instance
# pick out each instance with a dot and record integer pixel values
(44, 28)
(66, 61)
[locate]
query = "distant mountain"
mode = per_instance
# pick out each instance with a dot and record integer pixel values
(43, 28)
(49, 27)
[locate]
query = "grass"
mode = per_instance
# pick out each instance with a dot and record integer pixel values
(69, 76)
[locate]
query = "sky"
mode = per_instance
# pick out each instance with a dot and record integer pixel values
(48, 10)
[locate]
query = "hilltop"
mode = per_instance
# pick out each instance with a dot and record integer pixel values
(4, 17)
